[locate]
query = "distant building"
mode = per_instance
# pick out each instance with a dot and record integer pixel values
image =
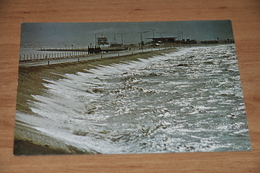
(93, 49)
(160, 40)
(102, 41)
(230, 40)
(115, 44)
(163, 40)
(187, 41)
(215, 41)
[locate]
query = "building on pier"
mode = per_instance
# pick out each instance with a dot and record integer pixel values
(162, 40)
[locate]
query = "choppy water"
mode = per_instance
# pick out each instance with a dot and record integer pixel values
(185, 101)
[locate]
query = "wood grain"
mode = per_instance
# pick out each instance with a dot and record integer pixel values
(245, 15)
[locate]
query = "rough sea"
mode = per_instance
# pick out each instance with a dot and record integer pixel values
(189, 100)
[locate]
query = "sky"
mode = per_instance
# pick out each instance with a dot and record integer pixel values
(84, 34)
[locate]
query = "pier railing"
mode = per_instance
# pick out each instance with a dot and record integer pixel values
(48, 56)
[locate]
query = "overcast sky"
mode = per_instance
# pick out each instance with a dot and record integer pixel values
(82, 34)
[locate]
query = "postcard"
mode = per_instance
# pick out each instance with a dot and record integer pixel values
(129, 88)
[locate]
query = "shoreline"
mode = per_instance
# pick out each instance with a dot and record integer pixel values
(23, 145)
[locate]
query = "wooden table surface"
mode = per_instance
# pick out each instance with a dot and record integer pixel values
(245, 15)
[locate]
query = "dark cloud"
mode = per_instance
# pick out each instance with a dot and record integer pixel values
(82, 34)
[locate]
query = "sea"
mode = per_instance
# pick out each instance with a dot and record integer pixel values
(188, 100)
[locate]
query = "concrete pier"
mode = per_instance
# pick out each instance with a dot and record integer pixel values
(57, 58)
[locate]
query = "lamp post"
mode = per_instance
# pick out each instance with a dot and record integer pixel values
(153, 42)
(153, 32)
(114, 38)
(160, 33)
(122, 37)
(179, 32)
(96, 38)
(141, 38)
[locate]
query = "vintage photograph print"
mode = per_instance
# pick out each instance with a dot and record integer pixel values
(127, 88)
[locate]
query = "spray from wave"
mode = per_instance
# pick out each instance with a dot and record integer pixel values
(185, 101)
